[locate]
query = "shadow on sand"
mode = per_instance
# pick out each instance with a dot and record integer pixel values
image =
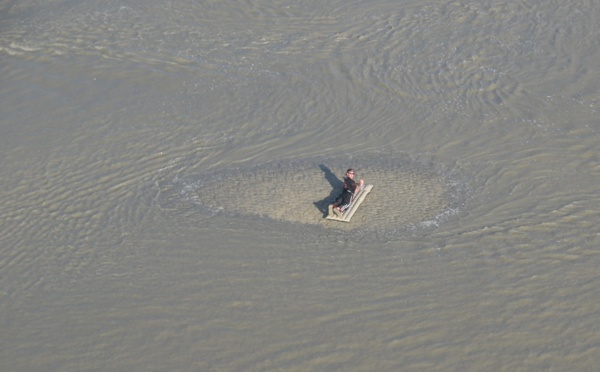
(337, 186)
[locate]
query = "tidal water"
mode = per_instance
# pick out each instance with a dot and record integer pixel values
(166, 167)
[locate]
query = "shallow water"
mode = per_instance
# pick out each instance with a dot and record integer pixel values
(166, 167)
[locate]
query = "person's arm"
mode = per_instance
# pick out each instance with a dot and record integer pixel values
(355, 187)
(360, 184)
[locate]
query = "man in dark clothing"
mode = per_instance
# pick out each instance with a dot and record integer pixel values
(343, 201)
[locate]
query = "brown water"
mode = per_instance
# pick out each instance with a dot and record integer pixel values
(166, 166)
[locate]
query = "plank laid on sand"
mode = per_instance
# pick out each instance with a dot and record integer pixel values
(356, 202)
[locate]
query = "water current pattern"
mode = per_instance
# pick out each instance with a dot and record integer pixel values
(166, 167)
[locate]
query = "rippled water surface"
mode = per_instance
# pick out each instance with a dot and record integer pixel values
(166, 167)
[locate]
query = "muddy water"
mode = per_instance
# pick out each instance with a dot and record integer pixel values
(166, 166)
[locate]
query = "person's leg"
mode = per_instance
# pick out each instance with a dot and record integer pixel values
(339, 200)
(346, 198)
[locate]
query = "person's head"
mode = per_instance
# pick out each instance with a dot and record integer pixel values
(350, 173)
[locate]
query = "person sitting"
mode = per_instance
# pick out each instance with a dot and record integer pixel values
(343, 201)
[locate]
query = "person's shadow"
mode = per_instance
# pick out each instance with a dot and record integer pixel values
(337, 186)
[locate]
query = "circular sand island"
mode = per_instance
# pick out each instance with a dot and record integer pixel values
(406, 192)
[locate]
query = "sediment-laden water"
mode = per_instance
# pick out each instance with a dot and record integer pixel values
(166, 168)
